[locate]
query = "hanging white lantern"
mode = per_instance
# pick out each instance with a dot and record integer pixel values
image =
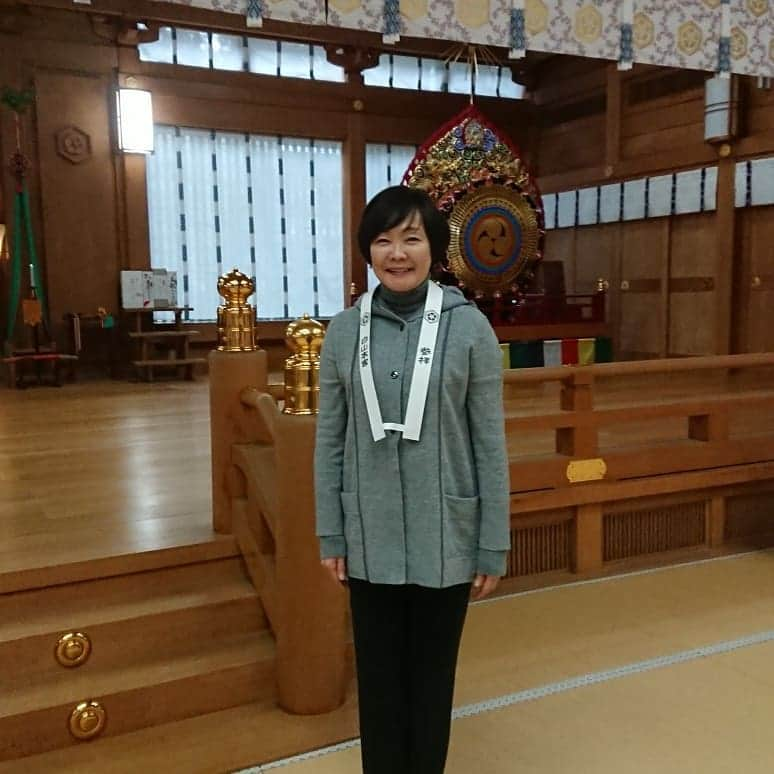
(135, 120)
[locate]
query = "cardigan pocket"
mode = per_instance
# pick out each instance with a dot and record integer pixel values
(462, 519)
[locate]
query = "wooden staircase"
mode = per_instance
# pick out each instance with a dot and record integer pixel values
(166, 644)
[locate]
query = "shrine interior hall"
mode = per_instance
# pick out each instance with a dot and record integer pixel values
(180, 186)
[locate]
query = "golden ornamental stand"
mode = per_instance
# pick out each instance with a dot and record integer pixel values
(236, 318)
(236, 363)
(304, 338)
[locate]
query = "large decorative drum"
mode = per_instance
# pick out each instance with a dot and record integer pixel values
(475, 175)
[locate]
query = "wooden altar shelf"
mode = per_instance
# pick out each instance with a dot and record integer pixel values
(174, 339)
(555, 308)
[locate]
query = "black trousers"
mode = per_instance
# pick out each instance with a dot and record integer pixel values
(406, 644)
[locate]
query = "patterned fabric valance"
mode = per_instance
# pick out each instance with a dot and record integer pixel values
(714, 35)
(255, 11)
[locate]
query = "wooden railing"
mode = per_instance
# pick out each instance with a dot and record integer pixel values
(622, 450)
(263, 492)
(622, 476)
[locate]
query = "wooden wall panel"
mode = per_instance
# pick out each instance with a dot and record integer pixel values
(78, 200)
(560, 246)
(667, 123)
(573, 145)
(755, 293)
(644, 254)
(596, 256)
(660, 115)
(758, 106)
(693, 263)
(656, 141)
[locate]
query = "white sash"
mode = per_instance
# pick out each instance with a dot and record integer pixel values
(423, 364)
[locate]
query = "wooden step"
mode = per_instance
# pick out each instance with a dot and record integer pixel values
(166, 644)
(228, 740)
(125, 619)
(170, 361)
(221, 675)
(87, 554)
(175, 334)
(204, 655)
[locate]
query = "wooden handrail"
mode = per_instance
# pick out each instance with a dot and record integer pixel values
(638, 413)
(636, 367)
(264, 404)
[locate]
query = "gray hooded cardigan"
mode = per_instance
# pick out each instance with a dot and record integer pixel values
(431, 512)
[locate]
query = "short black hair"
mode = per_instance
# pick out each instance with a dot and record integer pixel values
(392, 206)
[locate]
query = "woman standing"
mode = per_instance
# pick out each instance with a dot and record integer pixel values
(411, 479)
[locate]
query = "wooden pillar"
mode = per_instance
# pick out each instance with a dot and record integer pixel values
(230, 373)
(716, 522)
(588, 538)
(354, 200)
(137, 240)
(664, 278)
(613, 120)
(577, 396)
(725, 227)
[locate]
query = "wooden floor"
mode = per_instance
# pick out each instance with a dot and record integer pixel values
(94, 475)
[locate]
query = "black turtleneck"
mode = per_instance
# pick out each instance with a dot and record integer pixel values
(406, 304)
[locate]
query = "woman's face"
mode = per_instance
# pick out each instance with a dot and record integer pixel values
(401, 257)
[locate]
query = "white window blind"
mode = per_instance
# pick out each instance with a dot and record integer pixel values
(270, 206)
(218, 51)
(398, 71)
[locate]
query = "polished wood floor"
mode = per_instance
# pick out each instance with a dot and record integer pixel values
(94, 474)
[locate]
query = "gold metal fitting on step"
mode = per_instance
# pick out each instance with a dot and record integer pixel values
(87, 720)
(73, 649)
(304, 338)
(236, 318)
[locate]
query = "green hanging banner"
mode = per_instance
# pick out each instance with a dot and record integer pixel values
(18, 101)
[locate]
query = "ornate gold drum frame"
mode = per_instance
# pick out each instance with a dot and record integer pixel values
(494, 233)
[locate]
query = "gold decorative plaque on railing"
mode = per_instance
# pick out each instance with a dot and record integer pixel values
(586, 470)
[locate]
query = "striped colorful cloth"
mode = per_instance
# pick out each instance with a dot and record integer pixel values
(569, 351)
(556, 352)
(552, 353)
(506, 350)
(586, 351)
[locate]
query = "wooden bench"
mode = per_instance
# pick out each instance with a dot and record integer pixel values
(19, 359)
(174, 338)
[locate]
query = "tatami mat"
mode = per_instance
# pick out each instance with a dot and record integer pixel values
(711, 713)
